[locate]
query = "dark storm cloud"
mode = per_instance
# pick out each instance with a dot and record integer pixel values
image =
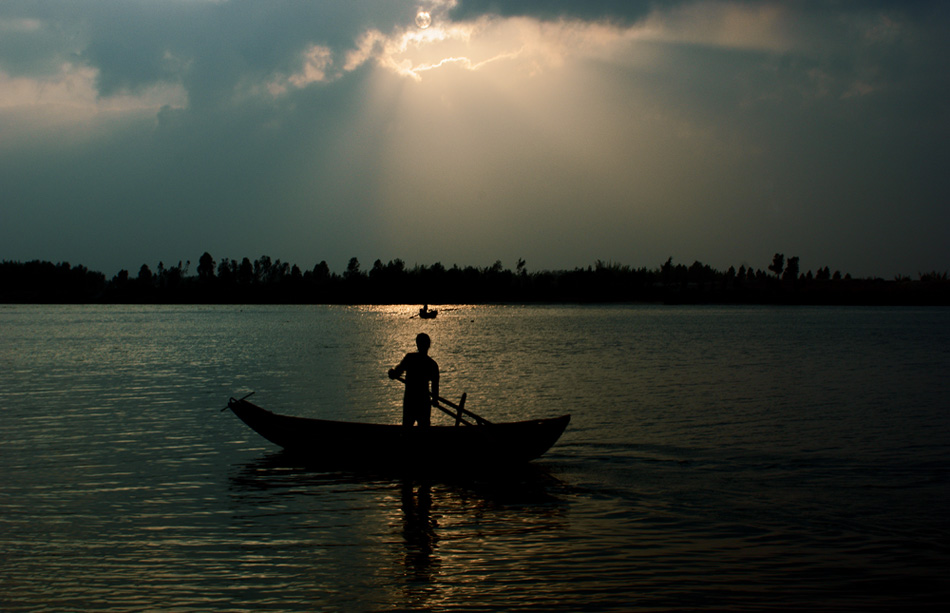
(613, 10)
(627, 11)
(209, 47)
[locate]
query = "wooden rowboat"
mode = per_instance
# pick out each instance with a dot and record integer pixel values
(353, 443)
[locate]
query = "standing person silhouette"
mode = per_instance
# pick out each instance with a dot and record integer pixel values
(420, 370)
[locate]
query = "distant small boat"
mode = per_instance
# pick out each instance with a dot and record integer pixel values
(385, 445)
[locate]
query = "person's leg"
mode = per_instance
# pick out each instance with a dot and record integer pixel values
(424, 416)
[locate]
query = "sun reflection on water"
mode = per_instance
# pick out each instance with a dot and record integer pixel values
(814, 473)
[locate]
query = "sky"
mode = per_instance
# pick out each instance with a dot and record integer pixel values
(561, 132)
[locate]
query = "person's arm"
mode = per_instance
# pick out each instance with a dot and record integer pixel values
(400, 369)
(435, 386)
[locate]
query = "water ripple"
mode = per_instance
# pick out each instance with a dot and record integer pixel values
(805, 468)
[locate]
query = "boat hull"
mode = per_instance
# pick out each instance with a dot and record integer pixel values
(352, 443)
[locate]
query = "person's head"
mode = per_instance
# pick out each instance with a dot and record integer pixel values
(423, 342)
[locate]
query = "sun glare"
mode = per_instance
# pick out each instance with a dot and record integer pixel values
(522, 44)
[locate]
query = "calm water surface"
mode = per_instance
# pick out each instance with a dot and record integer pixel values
(718, 459)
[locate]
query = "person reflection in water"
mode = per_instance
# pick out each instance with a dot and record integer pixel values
(421, 370)
(419, 533)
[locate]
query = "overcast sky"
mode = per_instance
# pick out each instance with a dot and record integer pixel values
(465, 132)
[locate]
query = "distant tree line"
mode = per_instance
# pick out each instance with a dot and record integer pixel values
(271, 281)
(47, 282)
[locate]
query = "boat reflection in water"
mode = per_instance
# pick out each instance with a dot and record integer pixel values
(437, 532)
(453, 493)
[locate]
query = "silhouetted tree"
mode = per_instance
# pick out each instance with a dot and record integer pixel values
(666, 270)
(205, 267)
(934, 276)
(277, 273)
(377, 271)
(227, 272)
(352, 270)
(245, 273)
(144, 277)
(729, 279)
(778, 264)
(700, 273)
(262, 266)
(321, 273)
(791, 270)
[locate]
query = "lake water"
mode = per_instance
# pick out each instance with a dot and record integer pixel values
(718, 459)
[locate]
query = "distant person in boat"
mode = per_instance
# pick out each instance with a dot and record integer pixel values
(420, 370)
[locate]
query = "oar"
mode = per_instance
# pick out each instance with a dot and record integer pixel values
(460, 409)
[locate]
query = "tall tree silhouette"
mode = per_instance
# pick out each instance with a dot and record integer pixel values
(778, 264)
(791, 269)
(206, 267)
